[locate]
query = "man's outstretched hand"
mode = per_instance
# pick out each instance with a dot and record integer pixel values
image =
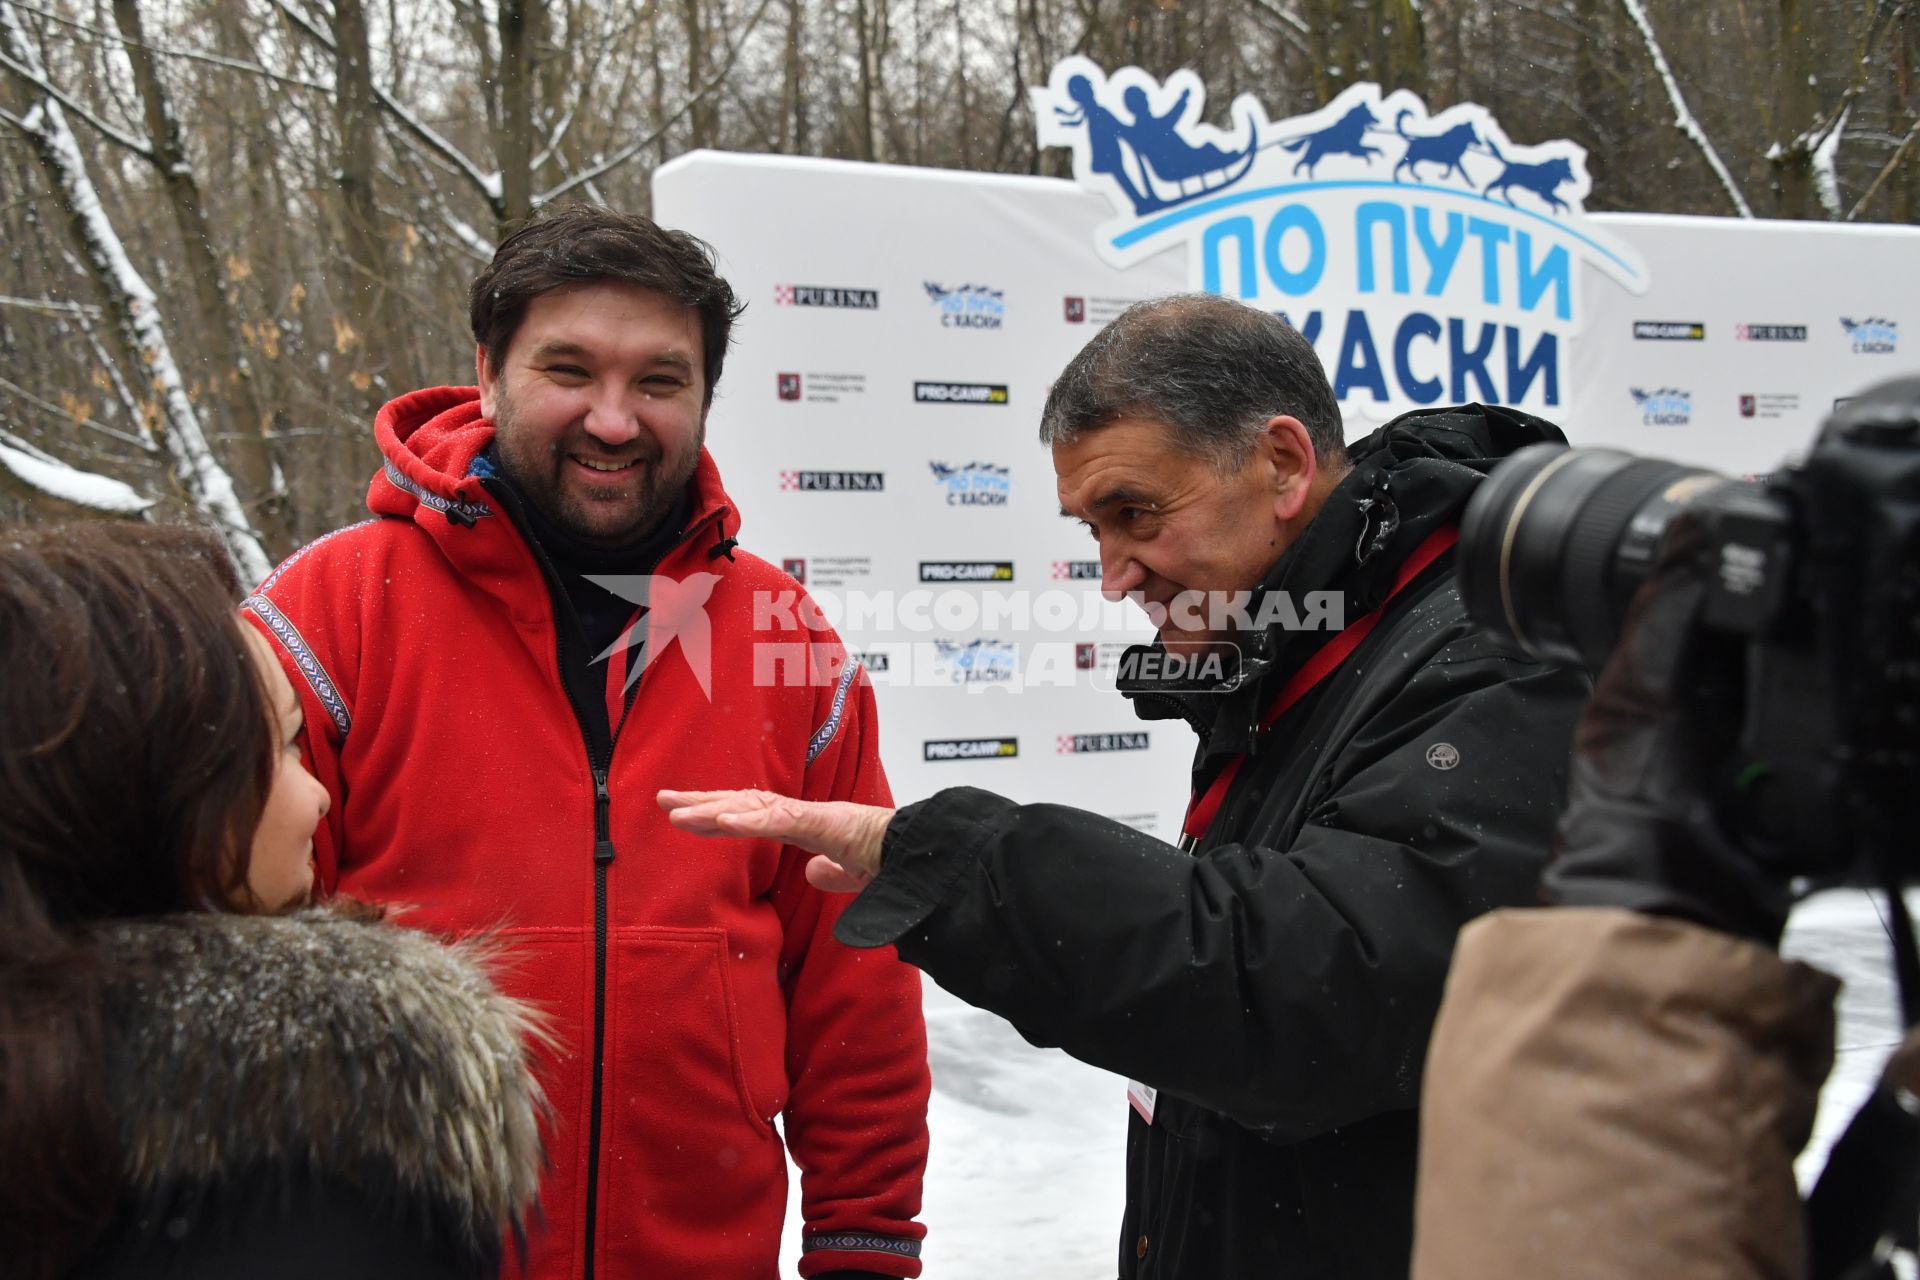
(847, 836)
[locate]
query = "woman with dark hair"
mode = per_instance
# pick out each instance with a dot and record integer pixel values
(199, 1074)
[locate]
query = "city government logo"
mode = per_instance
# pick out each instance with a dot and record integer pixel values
(1077, 744)
(959, 393)
(967, 306)
(795, 569)
(977, 484)
(970, 749)
(814, 295)
(966, 571)
(833, 481)
(789, 386)
(1669, 331)
(1427, 256)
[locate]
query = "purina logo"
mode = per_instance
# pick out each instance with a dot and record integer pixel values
(967, 306)
(979, 661)
(1076, 571)
(1669, 331)
(1428, 257)
(1077, 744)
(1872, 337)
(789, 386)
(1770, 333)
(1666, 407)
(970, 749)
(977, 484)
(814, 295)
(832, 481)
(959, 393)
(966, 571)
(1076, 310)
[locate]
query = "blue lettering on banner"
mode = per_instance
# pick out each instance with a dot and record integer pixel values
(977, 484)
(1441, 258)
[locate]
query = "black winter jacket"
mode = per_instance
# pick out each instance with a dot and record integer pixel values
(1278, 985)
(311, 1097)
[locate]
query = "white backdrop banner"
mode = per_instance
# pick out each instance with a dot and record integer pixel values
(877, 420)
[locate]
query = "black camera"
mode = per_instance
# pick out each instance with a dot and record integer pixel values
(1811, 615)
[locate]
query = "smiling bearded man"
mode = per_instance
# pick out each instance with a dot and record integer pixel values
(491, 715)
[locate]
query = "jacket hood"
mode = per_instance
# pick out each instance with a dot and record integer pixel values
(1409, 479)
(321, 1044)
(431, 440)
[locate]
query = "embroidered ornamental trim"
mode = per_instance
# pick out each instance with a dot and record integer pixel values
(475, 510)
(825, 733)
(862, 1242)
(303, 657)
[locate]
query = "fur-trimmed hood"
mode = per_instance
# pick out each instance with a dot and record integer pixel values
(325, 1045)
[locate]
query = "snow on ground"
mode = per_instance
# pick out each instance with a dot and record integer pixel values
(1026, 1175)
(1842, 933)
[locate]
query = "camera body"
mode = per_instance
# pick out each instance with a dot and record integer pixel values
(1809, 624)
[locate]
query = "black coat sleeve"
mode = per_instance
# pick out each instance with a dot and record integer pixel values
(1292, 989)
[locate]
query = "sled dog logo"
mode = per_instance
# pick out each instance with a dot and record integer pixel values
(1873, 336)
(1344, 137)
(1666, 407)
(1542, 179)
(1447, 149)
(1428, 256)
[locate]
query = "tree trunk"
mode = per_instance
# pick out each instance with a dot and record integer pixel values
(229, 377)
(513, 142)
(136, 313)
(362, 285)
(1793, 108)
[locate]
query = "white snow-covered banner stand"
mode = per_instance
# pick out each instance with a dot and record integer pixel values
(878, 418)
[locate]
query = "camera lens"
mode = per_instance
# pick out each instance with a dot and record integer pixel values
(1556, 541)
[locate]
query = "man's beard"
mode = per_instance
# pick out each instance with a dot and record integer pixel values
(606, 522)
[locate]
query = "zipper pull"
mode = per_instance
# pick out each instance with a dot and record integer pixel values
(602, 829)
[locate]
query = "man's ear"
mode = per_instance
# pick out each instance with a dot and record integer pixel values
(483, 377)
(1288, 449)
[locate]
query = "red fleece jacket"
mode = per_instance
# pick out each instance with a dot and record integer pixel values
(425, 650)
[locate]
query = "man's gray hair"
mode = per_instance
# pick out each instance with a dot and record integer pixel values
(1211, 369)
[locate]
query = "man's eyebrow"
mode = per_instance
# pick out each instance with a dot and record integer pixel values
(561, 348)
(1111, 498)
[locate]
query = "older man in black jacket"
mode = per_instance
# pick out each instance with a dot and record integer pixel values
(1359, 794)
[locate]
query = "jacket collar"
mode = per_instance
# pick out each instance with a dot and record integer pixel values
(248, 1046)
(434, 474)
(1408, 479)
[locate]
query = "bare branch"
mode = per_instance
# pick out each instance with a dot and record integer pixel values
(211, 59)
(139, 146)
(1893, 162)
(1683, 118)
(633, 149)
(488, 184)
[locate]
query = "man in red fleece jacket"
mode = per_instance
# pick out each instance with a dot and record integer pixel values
(492, 714)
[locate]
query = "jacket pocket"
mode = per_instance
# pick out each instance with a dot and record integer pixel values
(673, 1028)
